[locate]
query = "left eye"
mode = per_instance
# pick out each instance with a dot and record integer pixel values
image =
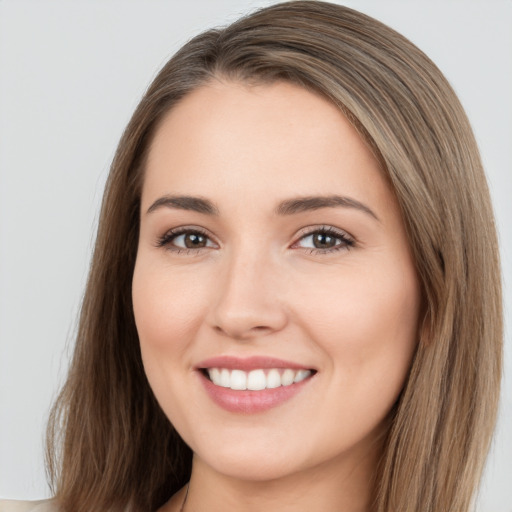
(325, 240)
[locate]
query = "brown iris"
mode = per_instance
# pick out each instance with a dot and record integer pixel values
(194, 240)
(323, 241)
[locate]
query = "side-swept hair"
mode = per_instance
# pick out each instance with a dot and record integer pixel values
(111, 448)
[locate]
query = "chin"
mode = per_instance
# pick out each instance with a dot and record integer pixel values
(250, 467)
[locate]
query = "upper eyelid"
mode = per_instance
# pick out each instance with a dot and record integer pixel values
(324, 227)
(180, 230)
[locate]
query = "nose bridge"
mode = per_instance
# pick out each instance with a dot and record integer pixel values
(248, 300)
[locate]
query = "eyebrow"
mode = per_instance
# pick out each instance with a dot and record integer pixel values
(286, 207)
(195, 204)
(302, 204)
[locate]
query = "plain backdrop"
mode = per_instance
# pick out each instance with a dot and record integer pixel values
(71, 73)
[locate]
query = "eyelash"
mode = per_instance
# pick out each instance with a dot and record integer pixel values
(347, 242)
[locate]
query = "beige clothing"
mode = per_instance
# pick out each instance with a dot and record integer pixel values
(28, 506)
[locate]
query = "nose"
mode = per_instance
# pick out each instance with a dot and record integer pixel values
(248, 302)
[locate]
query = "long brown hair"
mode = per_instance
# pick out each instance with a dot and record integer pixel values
(110, 447)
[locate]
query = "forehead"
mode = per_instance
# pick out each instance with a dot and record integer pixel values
(232, 140)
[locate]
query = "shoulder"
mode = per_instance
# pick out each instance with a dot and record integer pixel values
(28, 506)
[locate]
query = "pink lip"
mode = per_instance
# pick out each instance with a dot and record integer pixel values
(249, 402)
(249, 363)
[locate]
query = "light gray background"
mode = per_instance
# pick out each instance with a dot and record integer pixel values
(71, 73)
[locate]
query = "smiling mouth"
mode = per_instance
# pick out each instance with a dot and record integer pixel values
(255, 380)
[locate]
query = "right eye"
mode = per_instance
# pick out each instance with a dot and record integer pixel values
(185, 240)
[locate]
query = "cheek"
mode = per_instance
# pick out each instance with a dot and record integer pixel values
(168, 307)
(365, 319)
(365, 322)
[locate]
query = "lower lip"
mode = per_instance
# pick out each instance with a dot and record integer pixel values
(251, 402)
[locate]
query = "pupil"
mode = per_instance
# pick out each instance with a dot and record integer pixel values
(323, 241)
(193, 241)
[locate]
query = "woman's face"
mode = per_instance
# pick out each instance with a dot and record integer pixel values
(271, 250)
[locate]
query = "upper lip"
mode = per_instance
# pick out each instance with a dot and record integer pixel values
(249, 363)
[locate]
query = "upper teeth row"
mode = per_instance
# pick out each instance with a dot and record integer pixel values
(256, 379)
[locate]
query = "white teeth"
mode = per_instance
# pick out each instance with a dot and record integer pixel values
(256, 379)
(225, 378)
(238, 380)
(273, 379)
(301, 375)
(287, 377)
(215, 375)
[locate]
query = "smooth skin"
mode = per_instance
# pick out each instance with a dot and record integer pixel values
(260, 283)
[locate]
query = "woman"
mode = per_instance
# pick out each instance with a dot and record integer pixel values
(294, 299)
